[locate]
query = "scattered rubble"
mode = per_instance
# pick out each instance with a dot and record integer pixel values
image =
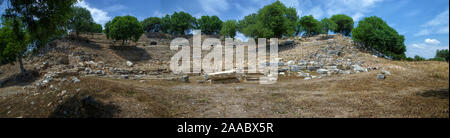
(130, 64)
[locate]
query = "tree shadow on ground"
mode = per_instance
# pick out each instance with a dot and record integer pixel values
(131, 53)
(84, 42)
(20, 79)
(441, 93)
(86, 107)
(285, 47)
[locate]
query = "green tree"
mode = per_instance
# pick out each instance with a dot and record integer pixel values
(181, 22)
(107, 29)
(273, 17)
(327, 25)
(442, 54)
(81, 20)
(96, 28)
(13, 42)
(152, 24)
(293, 25)
(166, 24)
(229, 28)
(247, 26)
(375, 33)
(310, 25)
(344, 24)
(274, 20)
(33, 21)
(209, 25)
(125, 28)
(43, 19)
(419, 58)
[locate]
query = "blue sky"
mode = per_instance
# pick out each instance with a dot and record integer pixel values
(425, 23)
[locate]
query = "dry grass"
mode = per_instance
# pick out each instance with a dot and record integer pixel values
(411, 91)
(414, 90)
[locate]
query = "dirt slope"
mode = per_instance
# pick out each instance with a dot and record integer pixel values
(108, 87)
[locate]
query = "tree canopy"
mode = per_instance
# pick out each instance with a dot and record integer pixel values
(181, 22)
(274, 20)
(81, 21)
(327, 25)
(344, 24)
(152, 24)
(443, 54)
(209, 24)
(53, 17)
(13, 41)
(229, 28)
(124, 28)
(375, 33)
(29, 21)
(310, 25)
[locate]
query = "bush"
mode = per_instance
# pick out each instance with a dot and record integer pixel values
(229, 28)
(374, 33)
(437, 59)
(344, 24)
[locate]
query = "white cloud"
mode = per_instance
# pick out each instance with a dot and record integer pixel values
(214, 7)
(423, 50)
(437, 25)
(441, 19)
(99, 16)
(158, 14)
(423, 32)
(432, 41)
(291, 3)
(241, 37)
(116, 7)
(317, 12)
(357, 16)
(356, 8)
(245, 10)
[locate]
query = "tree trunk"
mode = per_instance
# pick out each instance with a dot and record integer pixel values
(22, 69)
